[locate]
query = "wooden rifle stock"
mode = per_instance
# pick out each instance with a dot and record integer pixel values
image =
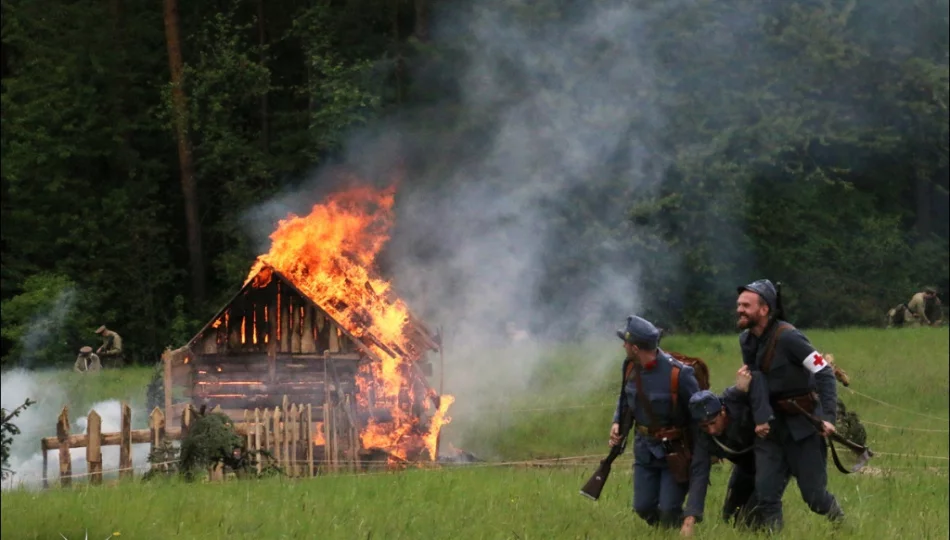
(595, 484)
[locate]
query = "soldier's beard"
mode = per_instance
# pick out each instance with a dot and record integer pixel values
(744, 322)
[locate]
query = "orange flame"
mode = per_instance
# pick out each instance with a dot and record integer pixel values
(329, 255)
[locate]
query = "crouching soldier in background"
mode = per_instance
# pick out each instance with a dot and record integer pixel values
(923, 308)
(111, 347)
(87, 361)
(726, 431)
(657, 390)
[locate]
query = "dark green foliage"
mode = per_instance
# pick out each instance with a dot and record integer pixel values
(7, 430)
(849, 425)
(802, 141)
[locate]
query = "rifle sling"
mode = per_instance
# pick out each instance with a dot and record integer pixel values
(770, 348)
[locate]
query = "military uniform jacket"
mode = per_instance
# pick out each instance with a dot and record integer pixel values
(739, 435)
(657, 387)
(796, 369)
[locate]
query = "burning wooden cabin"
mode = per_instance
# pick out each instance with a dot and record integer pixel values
(274, 340)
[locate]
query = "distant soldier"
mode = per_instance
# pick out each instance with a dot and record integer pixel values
(87, 361)
(111, 347)
(657, 389)
(923, 308)
(925, 305)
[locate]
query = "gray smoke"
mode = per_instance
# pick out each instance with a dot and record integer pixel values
(45, 327)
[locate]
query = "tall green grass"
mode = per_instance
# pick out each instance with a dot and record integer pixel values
(905, 493)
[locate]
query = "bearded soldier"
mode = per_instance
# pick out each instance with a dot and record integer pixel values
(793, 372)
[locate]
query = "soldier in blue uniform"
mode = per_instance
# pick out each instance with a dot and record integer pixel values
(795, 376)
(657, 390)
(727, 431)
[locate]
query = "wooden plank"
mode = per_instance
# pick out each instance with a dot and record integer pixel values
(235, 322)
(208, 344)
(328, 450)
(268, 439)
(284, 311)
(278, 437)
(296, 334)
(293, 437)
(257, 439)
(334, 338)
(62, 437)
(261, 330)
(247, 339)
(156, 425)
(272, 327)
(94, 447)
(309, 442)
(221, 334)
(125, 443)
(307, 342)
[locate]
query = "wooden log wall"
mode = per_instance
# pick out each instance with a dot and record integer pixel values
(235, 383)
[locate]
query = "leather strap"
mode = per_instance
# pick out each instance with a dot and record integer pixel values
(770, 348)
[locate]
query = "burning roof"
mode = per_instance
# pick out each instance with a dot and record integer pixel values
(328, 257)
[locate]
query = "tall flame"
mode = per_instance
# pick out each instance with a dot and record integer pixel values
(330, 256)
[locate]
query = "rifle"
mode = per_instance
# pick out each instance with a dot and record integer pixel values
(595, 484)
(862, 454)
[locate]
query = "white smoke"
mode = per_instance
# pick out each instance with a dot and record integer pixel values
(39, 421)
(46, 326)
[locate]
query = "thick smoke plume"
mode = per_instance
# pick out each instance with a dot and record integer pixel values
(494, 219)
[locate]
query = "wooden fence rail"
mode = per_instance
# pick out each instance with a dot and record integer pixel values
(285, 436)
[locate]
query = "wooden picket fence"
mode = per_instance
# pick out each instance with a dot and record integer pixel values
(284, 436)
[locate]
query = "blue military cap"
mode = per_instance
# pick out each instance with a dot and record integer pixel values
(763, 288)
(640, 330)
(704, 406)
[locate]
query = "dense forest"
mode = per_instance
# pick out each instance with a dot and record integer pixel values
(576, 159)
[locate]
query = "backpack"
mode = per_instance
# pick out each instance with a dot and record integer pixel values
(700, 368)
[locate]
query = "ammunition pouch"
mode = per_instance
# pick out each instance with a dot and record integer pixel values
(787, 406)
(676, 446)
(678, 458)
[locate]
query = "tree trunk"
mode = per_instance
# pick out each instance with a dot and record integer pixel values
(421, 29)
(261, 41)
(188, 187)
(925, 193)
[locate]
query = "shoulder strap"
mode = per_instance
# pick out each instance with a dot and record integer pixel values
(770, 348)
(675, 385)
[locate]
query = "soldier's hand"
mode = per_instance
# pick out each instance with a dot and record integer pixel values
(615, 434)
(829, 429)
(762, 430)
(743, 379)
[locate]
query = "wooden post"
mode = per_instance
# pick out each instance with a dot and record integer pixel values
(62, 436)
(168, 382)
(327, 454)
(292, 438)
(285, 436)
(265, 425)
(309, 439)
(257, 438)
(45, 450)
(277, 437)
(156, 426)
(94, 447)
(125, 443)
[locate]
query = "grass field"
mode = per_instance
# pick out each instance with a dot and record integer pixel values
(905, 493)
